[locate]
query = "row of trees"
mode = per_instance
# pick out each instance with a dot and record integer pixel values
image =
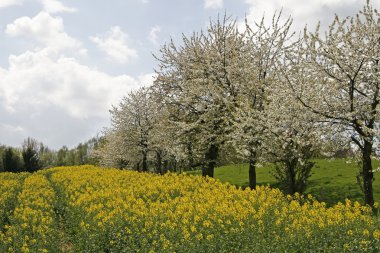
(34, 156)
(216, 95)
(259, 94)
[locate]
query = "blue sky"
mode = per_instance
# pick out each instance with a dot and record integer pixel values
(63, 64)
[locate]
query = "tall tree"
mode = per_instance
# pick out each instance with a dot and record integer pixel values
(336, 76)
(265, 48)
(11, 160)
(198, 81)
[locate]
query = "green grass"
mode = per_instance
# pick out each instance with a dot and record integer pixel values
(332, 180)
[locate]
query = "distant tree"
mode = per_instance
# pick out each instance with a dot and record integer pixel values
(47, 156)
(110, 153)
(82, 152)
(93, 145)
(129, 142)
(2, 148)
(30, 155)
(11, 160)
(62, 154)
(132, 123)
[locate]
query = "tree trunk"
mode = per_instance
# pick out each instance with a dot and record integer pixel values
(159, 162)
(138, 166)
(145, 162)
(367, 173)
(292, 176)
(175, 167)
(165, 166)
(190, 156)
(210, 156)
(252, 170)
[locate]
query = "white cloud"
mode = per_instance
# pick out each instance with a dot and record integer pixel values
(50, 6)
(9, 132)
(54, 6)
(153, 34)
(56, 99)
(38, 80)
(214, 4)
(304, 12)
(10, 128)
(46, 30)
(114, 44)
(7, 3)
(147, 79)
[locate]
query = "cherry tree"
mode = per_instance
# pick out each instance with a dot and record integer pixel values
(141, 135)
(129, 139)
(293, 138)
(264, 48)
(336, 76)
(199, 82)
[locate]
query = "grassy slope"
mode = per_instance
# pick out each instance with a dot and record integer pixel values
(331, 180)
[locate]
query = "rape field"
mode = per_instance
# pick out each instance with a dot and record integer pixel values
(90, 209)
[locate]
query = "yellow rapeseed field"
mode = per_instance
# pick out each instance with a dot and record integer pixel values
(90, 209)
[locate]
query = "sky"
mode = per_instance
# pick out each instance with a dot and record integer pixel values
(63, 64)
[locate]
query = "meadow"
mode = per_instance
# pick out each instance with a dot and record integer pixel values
(91, 209)
(332, 180)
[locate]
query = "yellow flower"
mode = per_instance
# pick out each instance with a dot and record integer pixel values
(376, 234)
(206, 223)
(199, 236)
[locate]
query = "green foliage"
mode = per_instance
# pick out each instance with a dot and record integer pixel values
(2, 148)
(80, 155)
(293, 175)
(11, 160)
(30, 155)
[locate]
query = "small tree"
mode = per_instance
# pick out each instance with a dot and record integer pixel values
(293, 141)
(30, 155)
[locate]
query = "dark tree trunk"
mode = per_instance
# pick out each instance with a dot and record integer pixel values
(144, 162)
(165, 166)
(292, 177)
(190, 156)
(175, 165)
(252, 170)
(159, 162)
(210, 156)
(367, 173)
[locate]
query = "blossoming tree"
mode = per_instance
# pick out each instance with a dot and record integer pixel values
(336, 76)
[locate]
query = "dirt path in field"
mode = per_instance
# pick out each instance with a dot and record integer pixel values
(64, 237)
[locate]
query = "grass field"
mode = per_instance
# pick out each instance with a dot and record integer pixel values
(332, 180)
